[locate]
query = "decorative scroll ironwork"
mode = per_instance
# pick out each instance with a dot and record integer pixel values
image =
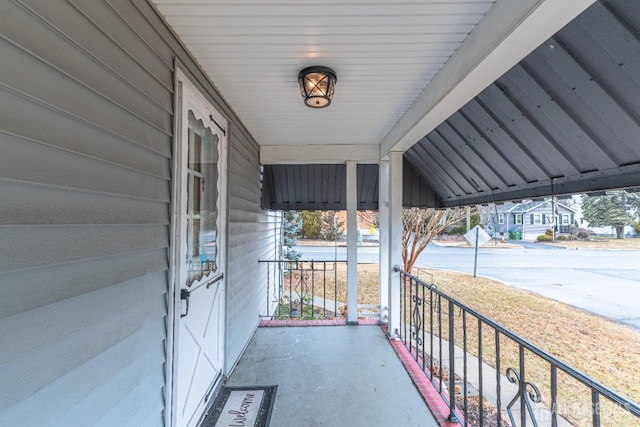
(527, 393)
(305, 289)
(424, 312)
(417, 319)
(299, 291)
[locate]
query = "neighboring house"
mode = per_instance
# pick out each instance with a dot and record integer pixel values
(529, 219)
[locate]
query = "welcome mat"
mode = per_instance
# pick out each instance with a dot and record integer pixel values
(249, 406)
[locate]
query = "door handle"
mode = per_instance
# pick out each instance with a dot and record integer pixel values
(184, 296)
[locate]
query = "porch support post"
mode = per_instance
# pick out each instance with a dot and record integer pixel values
(352, 242)
(395, 239)
(383, 224)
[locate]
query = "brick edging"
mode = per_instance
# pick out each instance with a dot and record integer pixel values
(320, 322)
(430, 395)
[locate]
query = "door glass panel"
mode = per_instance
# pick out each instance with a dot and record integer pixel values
(202, 201)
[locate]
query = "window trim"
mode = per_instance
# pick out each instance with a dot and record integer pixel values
(501, 218)
(537, 219)
(517, 219)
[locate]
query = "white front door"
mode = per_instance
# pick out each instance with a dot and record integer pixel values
(199, 258)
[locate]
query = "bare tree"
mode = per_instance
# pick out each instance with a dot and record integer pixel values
(368, 218)
(420, 226)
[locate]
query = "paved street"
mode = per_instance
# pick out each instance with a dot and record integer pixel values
(604, 282)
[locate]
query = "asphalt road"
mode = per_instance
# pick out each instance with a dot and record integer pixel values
(604, 282)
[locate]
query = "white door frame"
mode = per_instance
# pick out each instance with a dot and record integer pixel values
(187, 96)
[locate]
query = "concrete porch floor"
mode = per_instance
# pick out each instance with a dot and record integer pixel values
(332, 376)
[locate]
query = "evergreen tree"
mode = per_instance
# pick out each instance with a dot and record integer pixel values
(291, 227)
(615, 208)
(331, 229)
(311, 224)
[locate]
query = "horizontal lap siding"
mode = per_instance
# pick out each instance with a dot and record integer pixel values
(85, 161)
(251, 237)
(86, 113)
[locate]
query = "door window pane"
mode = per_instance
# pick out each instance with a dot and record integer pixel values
(202, 200)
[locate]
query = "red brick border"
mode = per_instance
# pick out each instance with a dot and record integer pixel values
(319, 322)
(434, 400)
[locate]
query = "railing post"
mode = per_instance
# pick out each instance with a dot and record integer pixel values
(554, 396)
(498, 376)
(595, 405)
(464, 367)
(268, 286)
(523, 388)
(480, 381)
(452, 363)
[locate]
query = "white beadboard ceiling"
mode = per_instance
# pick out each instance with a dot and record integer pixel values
(384, 53)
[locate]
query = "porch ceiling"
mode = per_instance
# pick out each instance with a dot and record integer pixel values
(383, 54)
(395, 63)
(566, 119)
(428, 78)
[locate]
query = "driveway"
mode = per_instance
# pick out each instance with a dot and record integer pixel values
(604, 282)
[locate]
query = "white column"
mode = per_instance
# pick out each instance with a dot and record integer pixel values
(383, 223)
(352, 242)
(395, 239)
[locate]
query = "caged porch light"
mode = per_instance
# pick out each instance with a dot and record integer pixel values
(317, 85)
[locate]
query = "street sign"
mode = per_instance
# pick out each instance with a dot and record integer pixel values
(479, 233)
(477, 237)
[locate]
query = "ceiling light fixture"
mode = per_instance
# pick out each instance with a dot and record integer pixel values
(317, 85)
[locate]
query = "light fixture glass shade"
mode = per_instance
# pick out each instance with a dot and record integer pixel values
(317, 85)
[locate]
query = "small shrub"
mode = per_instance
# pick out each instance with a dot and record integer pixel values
(545, 238)
(456, 231)
(636, 227)
(459, 228)
(562, 237)
(584, 233)
(549, 233)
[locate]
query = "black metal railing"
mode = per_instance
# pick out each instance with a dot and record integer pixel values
(463, 354)
(305, 289)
